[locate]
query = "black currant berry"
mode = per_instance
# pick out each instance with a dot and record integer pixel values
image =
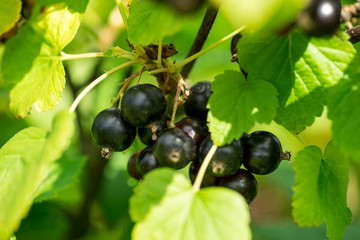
(208, 180)
(143, 104)
(320, 18)
(262, 152)
(243, 182)
(146, 162)
(149, 134)
(111, 130)
(196, 129)
(195, 105)
(132, 166)
(226, 160)
(174, 148)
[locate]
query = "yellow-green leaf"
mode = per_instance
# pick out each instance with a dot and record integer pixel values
(9, 14)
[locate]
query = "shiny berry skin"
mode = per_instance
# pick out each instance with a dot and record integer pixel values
(208, 180)
(262, 152)
(146, 162)
(195, 105)
(174, 148)
(146, 134)
(111, 130)
(320, 18)
(226, 160)
(132, 166)
(243, 182)
(143, 104)
(196, 129)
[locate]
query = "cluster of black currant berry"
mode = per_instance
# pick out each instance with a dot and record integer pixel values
(143, 108)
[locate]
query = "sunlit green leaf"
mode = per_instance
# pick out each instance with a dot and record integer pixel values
(343, 103)
(32, 59)
(151, 21)
(24, 163)
(61, 174)
(300, 67)
(236, 103)
(9, 14)
(320, 189)
(164, 206)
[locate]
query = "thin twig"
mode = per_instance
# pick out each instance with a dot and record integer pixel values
(159, 60)
(122, 89)
(176, 102)
(354, 34)
(193, 57)
(141, 72)
(201, 37)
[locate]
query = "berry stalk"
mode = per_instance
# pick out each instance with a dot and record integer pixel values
(201, 37)
(204, 165)
(97, 81)
(196, 55)
(65, 56)
(177, 96)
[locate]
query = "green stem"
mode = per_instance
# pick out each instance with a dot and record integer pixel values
(172, 122)
(196, 55)
(97, 81)
(159, 62)
(65, 56)
(202, 170)
(123, 13)
(161, 70)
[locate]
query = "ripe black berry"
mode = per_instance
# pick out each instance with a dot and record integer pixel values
(262, 152)
(208, 180)
(195, 105)
(146, 162)
(143, 104)
(226, 160)
(320, 18)
(132, 166)
(243, 182)
(196, 129)
(149, 134)
(174, 148)
(111, 130)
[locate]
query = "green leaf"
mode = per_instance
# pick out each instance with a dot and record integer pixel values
(61, 174)
(9, 14)
(236, 103)
(344, 110)
(24, 163)
(261, 14)
(300, 67)
(150, 21)
(320, 189)
(164, 205)
(32, 59)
